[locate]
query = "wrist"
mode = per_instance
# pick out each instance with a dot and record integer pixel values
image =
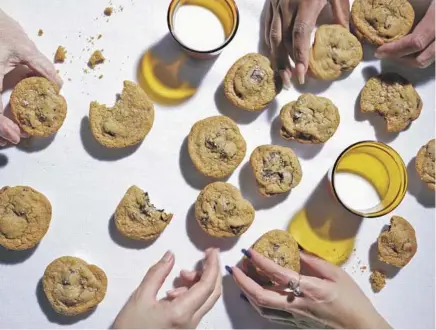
(375, 321)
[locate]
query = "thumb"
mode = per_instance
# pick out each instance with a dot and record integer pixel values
(156, 276)
(316, 267)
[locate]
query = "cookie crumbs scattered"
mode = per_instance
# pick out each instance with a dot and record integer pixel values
(108, 11)
(99, 36)
(85, 71)
(363, 268)
(100, 76)
(96, 58)
(378, 281)
(40, 32)
(60, 55)
(69, 79)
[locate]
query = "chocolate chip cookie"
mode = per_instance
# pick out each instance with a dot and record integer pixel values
(310, 119)
(251, 83)
(397, 245)
(221, 211)
(276, 169)
(216, 146)
(425, 163)
(72, 286)
(137, 218)
(37, 106)
(25, 216)
(334, 51)
(394, 98)
(125, 124)
(381, 21)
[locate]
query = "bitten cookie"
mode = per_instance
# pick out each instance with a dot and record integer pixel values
(72, 286)
(216, 146)
(425, 163)
(397, 245)
(394, 98)
(381, 21)
(221, 211)
(25, 216)
(137, 218)
(37, 106)
(310, 119)
(276, 169)
(251, 82)
(125, 124)
(334, 51)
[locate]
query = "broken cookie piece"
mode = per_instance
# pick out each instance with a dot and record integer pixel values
(221, 211)
(96, 58)
(377, 280)
(60, 55)
(425, 164)
(137, 218)
(108, 11)
(125, 124)
(40, 32)
(276, 169)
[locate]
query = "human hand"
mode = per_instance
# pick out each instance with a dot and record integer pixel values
(17, 49)
(286, 37)
(183, 307)
(417, 49)
(328, 294)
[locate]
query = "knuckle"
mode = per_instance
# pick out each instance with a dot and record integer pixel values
(275, 35)
(422, 63)
(179, 317)
(259, 299)
(418, 42)
(300, 30)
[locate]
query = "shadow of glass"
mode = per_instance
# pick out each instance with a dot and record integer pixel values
(50, 313)
(168, 75)
(202, 240)
(124, 241)
(4, 160)
(12, 257)
(249, 190)
(418, 188)
(375, 264)
(99, 152)
(305, 151)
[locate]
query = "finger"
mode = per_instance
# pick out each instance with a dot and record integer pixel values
(287, 10)
(3, 142)
(9, 130)
(156, 276)
(423, 60)
(341, 12)
(40, 64)
(172, 294)
(192, 300)
(268, 22)
(313, 266)
(308, 12)
(190, 276)
(418, 40)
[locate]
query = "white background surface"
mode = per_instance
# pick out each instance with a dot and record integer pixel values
(85, 182)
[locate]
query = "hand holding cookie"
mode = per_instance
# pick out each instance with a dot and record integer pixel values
(183, 307)
(16, 49)
(286, 36)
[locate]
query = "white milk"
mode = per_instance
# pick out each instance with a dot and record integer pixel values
(198, 28)
(355, 191)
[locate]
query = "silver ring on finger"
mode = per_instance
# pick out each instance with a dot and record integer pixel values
(294, 287)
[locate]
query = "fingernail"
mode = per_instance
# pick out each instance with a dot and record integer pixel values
(246, 253)
(167, 256)
(286, 78)
(243, 297)
(301, 73)
(229, 270)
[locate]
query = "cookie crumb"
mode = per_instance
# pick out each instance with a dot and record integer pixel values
(108, 11)
(96, 58)
(363, 268)
(99, 36)
(378, 281)
(60, 55)
(85, 71)
(100, 76)
(40, 32)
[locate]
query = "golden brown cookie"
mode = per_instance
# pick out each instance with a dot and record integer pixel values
(381, 21)
(72, 286)
(251, 83)
(377, 280)
(397, 245)
(425, 163)
(25, 216)
(221, 211)
(394, 98)
(125, 124)
(137, 218)
(310, 119)
(37, 106)
(276, 169)
(334, 51)
(216, 146)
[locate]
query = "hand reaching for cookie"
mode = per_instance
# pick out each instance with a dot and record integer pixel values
(328, 294)
(288, 26)
(17, 49)
(183, 307)
(416, 49)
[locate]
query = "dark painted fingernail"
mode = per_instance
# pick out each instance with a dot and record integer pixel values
(243, 297)
(229, 270)
(246, 253)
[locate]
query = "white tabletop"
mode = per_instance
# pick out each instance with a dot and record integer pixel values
(85, 182)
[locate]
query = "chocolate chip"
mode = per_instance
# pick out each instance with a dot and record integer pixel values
(257, 75)
(275, 246)
(236, 229)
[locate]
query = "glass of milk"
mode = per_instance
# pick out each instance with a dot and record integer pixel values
(203, 27)
(369, 179)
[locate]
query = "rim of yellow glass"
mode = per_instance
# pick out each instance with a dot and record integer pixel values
(396, 158)
(234, 8)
